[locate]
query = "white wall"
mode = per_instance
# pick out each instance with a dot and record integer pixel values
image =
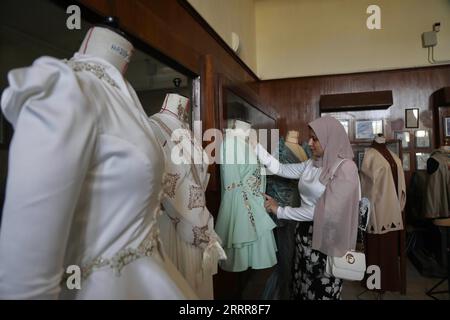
(312, 37)
(227, 16)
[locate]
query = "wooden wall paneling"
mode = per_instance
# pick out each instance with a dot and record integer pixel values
(297, 100)
(102, 7)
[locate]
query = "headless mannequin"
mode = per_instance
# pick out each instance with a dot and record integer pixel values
(176, 105)
(106, 44)
(249, 277)
(380, 139)
(292, 142)
(185, 213)
(292, 137)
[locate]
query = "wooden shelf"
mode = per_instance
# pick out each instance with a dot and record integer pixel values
(359, 101)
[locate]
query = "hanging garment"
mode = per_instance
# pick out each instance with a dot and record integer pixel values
(437, 193)
(243, 223)
(187, 227)
(378, 185)
(285, 192)
(84, 187)
(383, 183)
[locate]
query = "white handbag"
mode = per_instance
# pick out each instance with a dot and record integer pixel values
(352, 266)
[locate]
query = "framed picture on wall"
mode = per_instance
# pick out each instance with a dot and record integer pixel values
(421, 160)
(406, 163)
(447, 126)
(367, 129)
(344, 124)
(404, 137)
(412, 118)
(422, 139)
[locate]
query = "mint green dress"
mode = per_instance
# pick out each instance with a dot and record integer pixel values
(243, 223)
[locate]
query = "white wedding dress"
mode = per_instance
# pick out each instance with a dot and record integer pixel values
(84, 187)
(187, 227)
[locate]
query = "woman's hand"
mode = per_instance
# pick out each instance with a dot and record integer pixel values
(270, 204)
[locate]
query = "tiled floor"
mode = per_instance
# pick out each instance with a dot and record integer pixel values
(416, 286)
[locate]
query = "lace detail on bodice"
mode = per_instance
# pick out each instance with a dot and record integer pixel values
(97, 70)
(128, 255)
(118, 261)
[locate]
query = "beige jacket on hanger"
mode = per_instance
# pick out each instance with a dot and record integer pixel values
(377, 184)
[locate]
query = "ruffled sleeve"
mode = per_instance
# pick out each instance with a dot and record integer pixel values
(49, 157)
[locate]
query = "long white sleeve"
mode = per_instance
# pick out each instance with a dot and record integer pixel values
(49, 157)
(304, 213)
(290, 171)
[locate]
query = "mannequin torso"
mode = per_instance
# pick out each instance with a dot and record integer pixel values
(187, 227)
(176, 105)
(112, 217)
(108, 45)
(292, 142)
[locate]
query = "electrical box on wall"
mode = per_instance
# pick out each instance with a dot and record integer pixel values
(429, 39)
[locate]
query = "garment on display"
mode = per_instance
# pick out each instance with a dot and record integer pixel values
(96, 206)
(285, 192)
(380, 184)
(292, 142)
(187, 227)
(383, 183)
(437, 193)
(243, 223)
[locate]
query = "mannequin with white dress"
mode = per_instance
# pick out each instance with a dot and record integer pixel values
(84, 184)
(187, 226)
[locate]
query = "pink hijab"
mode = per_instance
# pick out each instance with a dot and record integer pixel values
(336, 213)
(334, 142)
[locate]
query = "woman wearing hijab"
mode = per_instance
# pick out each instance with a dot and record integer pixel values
(329, 192)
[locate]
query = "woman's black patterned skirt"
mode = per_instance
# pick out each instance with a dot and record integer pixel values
(311, 282)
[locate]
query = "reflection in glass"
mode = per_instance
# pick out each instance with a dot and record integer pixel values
(344, 124)
(367, 129)
(422, 139)
(404, 136)
(421, 160)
